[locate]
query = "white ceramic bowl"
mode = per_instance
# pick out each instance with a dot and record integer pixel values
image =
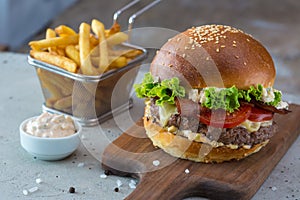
(49, 148)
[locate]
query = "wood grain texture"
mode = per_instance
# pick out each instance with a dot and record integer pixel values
(132, 154)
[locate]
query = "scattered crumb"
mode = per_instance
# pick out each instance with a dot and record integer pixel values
(156, 163)
(25, 192)
(38, 180)
(103, 176)
(132, 184)
(119, 183)
(274, 188)
(187, 171)
(34, 189)
(80, 164)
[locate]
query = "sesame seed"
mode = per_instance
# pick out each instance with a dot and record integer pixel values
(217, 50)
(236, 56)
(207, 58)
(178, 39)
(245, 63)
(222, 46)
(248, 40)
(234, 45)
(170, 65)
(183, 55)
(186, 48)
(234, 42)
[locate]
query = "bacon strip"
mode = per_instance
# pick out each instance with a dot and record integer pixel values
(270, 108)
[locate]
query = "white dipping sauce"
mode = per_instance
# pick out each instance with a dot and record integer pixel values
(51, 126)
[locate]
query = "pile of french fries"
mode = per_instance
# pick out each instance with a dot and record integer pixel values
(90, 51)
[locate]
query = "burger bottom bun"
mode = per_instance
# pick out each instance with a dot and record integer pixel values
(184, 148)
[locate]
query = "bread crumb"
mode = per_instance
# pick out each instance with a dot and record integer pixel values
(156, 163)
(103, 176)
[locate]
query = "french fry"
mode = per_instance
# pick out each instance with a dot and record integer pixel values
(63, 103)
(93, 41)
(46, 83)
(114, 61)
(132, 53)
(128, 53)
(90, 53)
(53, 42)
(84, 110)
(50, 33)
(95, 52)
(64, 85)
(50, 102)
(57, 60)
(64, 30)
(84, 50)
(115, 28)
(118, 62)
(117, 38)
(73, 53)
(98, 29)
(61, 51)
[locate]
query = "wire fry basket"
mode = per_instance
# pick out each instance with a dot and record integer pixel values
(91, 99)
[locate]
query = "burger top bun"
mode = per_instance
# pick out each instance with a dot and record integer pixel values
(215, 55)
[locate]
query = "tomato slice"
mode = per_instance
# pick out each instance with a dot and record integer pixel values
(221, 119)
(258, 115)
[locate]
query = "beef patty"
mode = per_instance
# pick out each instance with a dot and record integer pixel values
(236, 136)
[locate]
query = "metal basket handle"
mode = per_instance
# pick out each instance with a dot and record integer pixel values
(132, 18)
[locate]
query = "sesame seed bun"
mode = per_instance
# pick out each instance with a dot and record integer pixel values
(209, 56)
(215, 55)
(182, 147)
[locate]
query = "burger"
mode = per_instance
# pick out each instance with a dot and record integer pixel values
(209, 95)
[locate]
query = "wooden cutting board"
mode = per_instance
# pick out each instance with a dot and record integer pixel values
(132, 154)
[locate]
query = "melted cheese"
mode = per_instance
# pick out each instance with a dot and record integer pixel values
(254, 126)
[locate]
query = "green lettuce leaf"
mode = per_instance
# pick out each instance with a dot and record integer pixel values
(277, 99)
(227, 98)
(165, 91)
(215, 98)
